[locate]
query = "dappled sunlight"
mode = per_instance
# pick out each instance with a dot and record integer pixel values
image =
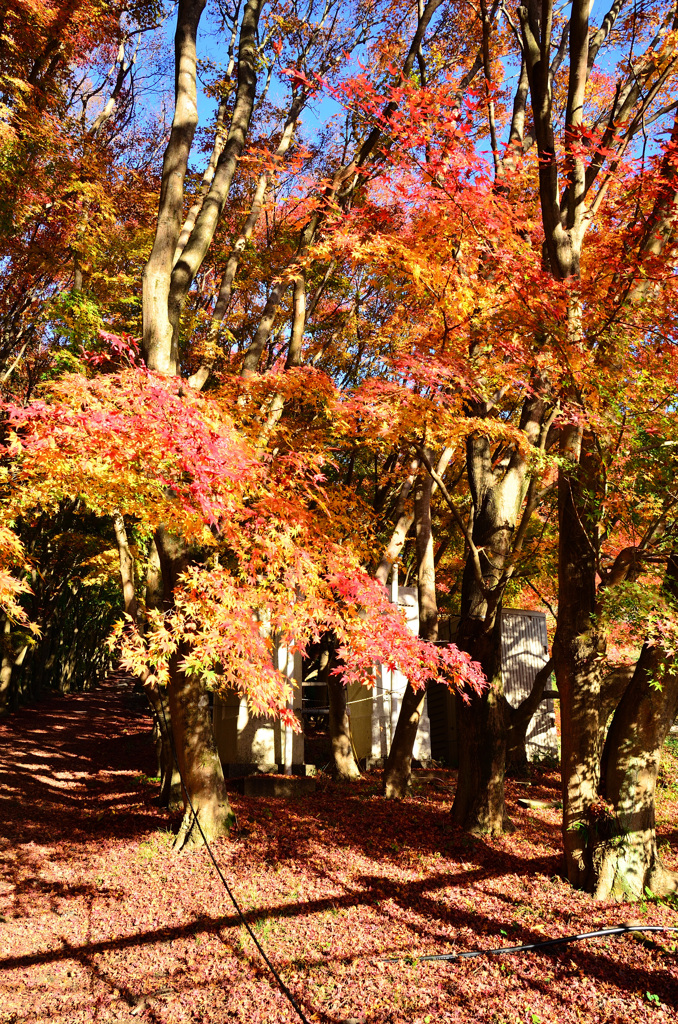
(101, 921)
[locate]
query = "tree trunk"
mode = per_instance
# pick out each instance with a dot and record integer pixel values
(345, 766)
(520, 718)
(194, 251)
(199, 762)
(483, 720)
(170, 795)
(625, 858)
(482, 725)
(200, 377)
(170, 782)
(404, 520)
(158, 343)
(191, 723)
(578, 651)
(6, 668)
(398, 768)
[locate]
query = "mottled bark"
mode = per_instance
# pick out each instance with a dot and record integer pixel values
(194, 251)
(578, 651)
(201, 769)
(404, 520)
(483, 720)
(191, 723)
(398, 768)
(159, 349)
(625, 859)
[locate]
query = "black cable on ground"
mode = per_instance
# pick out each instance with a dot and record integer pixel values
(619, 930)
(527, 947)
(283, 987)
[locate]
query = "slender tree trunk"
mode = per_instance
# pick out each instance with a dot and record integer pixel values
(398, 768)
(404, 520)
(338, 191)
(158, 344)
(194, 251)
(170, 783)
(345, 766)
(6, 667)
(170, 795)
(298, 322)
(199, 378)
(207, 179)
(519, 718)
(265, 326)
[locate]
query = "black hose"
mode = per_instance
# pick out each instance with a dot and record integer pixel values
(283, 987)
(619, 930)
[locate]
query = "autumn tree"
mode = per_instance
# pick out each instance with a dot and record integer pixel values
(423, 271)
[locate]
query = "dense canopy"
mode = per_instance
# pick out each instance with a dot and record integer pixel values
(330, 287)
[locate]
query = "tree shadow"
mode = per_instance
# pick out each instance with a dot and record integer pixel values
(82, 799)
(70, 764)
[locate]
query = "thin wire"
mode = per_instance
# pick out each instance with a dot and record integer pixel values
(620, 930)
(281, 983)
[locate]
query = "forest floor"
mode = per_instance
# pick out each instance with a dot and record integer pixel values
(99, 921)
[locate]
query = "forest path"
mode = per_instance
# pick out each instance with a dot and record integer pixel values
(69, 761)
(70, 773)
(100, 922)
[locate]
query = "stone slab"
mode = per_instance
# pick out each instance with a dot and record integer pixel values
(274, 785)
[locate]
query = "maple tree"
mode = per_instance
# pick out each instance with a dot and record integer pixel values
(436, 331)
(334, 882)
(269, 544)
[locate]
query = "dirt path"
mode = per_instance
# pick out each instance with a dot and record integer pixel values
(99, 922)
(69, 787)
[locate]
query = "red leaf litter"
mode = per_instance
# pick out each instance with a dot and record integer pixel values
(99, 921)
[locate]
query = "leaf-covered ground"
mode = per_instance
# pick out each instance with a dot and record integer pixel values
(100, 922)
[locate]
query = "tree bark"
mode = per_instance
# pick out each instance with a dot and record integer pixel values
(398, 768)
(483, 721)
(191, 723)
(199, 378)
(625, 859)
(170, 782)
(578, 651)
(345, 765)
(200, 239)
(404, 520)
(199, 762)
(519, 718)
(158, 343)
(624, 856)
(6, 667)
(482, 725)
